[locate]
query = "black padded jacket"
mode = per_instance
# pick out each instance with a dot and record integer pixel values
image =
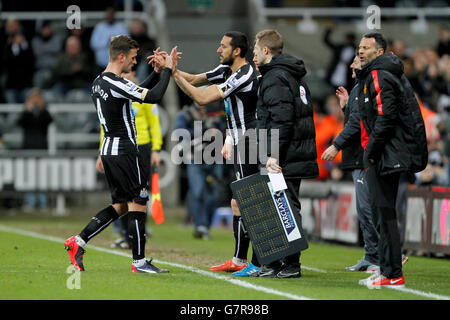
(284, 104)
(391, 117)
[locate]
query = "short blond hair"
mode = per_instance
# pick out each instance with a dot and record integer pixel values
(271, 39)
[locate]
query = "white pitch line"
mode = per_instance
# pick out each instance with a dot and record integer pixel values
(181, 266)
(422, 293)
(210, 274)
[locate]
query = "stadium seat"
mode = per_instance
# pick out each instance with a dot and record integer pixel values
(77, 96)
(42, 79)
(51, 96)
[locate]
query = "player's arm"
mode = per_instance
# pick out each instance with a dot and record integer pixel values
(164, 63)
(201, 97)
(99, 163)
(155, 94)
(197, 80)
(128, 90)
(151, 80)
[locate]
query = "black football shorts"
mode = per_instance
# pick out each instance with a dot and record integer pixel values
(126, 178)
(245, 160)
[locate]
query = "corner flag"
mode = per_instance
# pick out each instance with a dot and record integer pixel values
(156, 209)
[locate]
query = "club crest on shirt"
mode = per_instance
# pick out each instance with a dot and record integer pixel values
(303, 95)
(233, 82)
(144, 193)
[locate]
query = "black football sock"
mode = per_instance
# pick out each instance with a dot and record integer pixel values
(255, 258)
(136, 233)
(99, 223)
(241, 240)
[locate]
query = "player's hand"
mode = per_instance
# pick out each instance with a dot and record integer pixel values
(155, 159)
(227, 151)
(157, 60)
(272, 165)
(330, 153)
(99, 164)
(175, 56)
(342, 96)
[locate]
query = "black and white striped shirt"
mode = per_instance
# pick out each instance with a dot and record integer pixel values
(112, 96)
(240, 94)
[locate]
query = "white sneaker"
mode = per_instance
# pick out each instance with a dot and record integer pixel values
(369, 280)
(373, 269)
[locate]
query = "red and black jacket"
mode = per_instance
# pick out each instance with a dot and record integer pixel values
(392, 127)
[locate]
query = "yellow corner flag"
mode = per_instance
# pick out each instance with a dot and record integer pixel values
(157, 210)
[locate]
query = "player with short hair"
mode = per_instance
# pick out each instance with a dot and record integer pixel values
(112, 96)
(234, 81)
(149, 140)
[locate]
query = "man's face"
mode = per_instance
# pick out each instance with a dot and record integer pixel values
(368, 51)
(225, 51)
(129, 61)
(259, 57)
(356, 64)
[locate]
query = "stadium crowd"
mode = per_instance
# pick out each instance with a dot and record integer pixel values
(64, 63)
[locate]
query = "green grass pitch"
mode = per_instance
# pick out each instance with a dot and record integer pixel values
(34, 265)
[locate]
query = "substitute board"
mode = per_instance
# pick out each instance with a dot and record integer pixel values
(273, 228)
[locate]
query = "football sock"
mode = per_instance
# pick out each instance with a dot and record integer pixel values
(136, 233)
(241, 240)
(255, 258)
(98, 223)
(80, 241)
(139, 263)
(239, 262)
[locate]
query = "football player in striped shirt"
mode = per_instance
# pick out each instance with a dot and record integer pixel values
(234, 81)
(113, 96)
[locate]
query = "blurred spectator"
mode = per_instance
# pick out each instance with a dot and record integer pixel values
(138, 31)
(430, 77)
(101, 36)
(203, 179)
(46, 46)
(434, 174)
(338, 73)
(72, 69)
(84, 34)
(430, 119)
(328, 126)
(446, 147)
(443, 46)
(18, 61)
(35, 120)
(399, 49)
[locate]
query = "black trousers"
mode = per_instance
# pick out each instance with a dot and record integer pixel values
(292, 193)
(383, 191)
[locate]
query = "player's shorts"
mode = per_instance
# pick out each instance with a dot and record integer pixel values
(245, 160)
(126, 179)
